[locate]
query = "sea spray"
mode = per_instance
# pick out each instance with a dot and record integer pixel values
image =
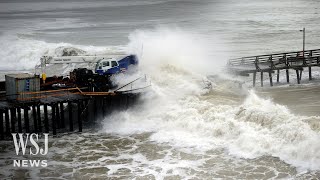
(182, 112)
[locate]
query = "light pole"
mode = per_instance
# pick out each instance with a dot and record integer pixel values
(304, 40)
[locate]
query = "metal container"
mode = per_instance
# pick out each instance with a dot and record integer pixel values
(21, 86)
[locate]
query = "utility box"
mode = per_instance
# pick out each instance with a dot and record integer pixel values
(21, 86)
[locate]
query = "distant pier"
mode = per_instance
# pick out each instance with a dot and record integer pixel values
(275, 63)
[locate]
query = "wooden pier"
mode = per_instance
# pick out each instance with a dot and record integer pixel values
(65, 110)
(275, 63)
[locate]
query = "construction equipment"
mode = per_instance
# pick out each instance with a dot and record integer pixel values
(105, 65)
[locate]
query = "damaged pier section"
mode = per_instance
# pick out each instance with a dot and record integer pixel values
(30, 110)
(275, 63)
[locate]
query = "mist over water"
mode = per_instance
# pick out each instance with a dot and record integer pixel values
(195, 121)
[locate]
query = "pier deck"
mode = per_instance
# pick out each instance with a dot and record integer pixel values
(58, 110)
(274, 63)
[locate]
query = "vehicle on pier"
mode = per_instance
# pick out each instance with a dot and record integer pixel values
(97, 80)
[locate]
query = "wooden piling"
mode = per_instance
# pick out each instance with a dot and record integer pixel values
(261, 78)
(39, 118)
(53, 109)
(278, 76)
(86, 103)
(19, 120)
(13, 119)
(79, 116)
(70, 116)
(287, 73)
(34, 115)
(57, 115)
(270, 77)
(95, 109)
(254, 79)
(310, 75)
(1, 125)
(46, 119)
(62, 119)
(298, 78)
(6, 115)
(300, 74)
(26, 119)
(104, 106)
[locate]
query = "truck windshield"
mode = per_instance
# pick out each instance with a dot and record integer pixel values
(114, 63)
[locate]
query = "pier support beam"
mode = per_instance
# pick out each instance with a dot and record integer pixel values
(53, 109)
(310, 74)
(86, 103)
(287, 73)
(270, 77)
(34, 115)
(13, 119)
(79, 116)
(254, 79)
(95, 109)
(278, 75)
(6, 115)
(46, 121)
(261, 79)
(26, 119)
(62, 123)
(39, 118)
(19, 120)
(70, 116)
(58, 116)
(1, 125)
(298, 78)
(104, 106)
(300, 74)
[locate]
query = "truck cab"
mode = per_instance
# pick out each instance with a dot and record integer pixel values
(107, 66)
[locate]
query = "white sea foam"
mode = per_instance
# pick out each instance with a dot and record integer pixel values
(180, 110)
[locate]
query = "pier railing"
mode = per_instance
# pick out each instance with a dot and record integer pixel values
(275, 62)
(279, 60)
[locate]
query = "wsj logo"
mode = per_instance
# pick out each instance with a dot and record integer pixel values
(21, 144)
